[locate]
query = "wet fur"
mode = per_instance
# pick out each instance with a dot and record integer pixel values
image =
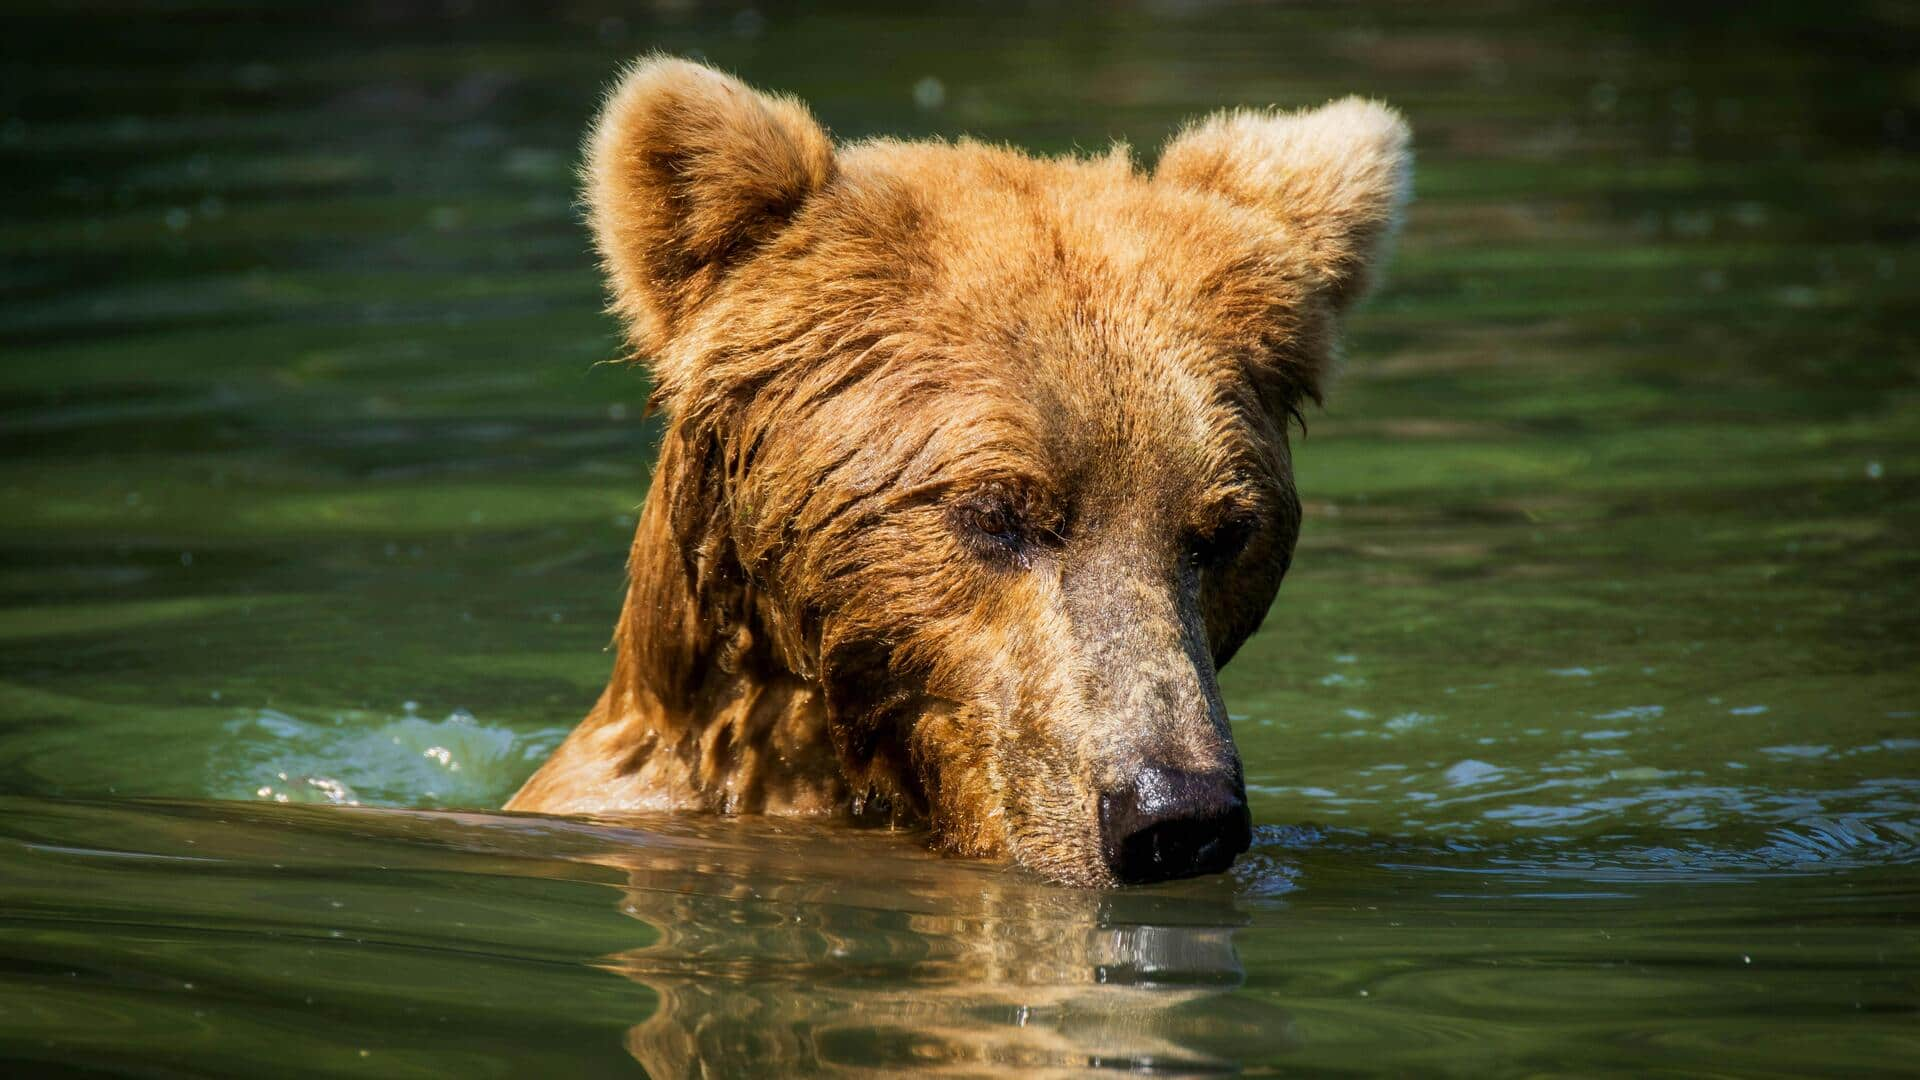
(866, 351)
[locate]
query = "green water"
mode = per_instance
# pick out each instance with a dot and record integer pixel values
(1584, 737)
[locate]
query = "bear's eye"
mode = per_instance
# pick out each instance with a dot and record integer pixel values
(991, 528)
(1223, 545)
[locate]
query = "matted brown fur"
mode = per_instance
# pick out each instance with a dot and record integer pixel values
(976, 466)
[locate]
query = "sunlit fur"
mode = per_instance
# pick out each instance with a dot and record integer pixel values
(856, 347)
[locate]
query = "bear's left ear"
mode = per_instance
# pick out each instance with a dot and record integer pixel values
(1333, 179)
(688, 172)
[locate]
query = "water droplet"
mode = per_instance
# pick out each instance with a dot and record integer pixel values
(929, 93)
(1409, 721)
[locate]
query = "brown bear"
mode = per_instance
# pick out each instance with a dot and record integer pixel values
(976, 465)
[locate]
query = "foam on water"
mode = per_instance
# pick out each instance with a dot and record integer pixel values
(355, 759)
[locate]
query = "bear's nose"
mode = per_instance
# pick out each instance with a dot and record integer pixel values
(1173, 824)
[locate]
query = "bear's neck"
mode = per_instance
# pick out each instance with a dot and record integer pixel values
(698, 714)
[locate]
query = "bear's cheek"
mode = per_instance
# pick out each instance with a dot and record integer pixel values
(958, 759)
(997, 748)
(996, 796)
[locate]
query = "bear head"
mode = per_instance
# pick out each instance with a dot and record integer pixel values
(993, 449)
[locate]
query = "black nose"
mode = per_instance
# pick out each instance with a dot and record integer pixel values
(1172, 824)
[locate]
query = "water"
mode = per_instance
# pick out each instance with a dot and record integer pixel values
(1585, 734)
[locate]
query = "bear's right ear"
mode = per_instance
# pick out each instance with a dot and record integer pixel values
(687, 172)
(1334, 178)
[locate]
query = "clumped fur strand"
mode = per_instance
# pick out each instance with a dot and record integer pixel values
(866, 352)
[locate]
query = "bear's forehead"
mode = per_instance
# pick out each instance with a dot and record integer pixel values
(1078, 355)
(1069, 265)
(1088, 232)
(1057, 312)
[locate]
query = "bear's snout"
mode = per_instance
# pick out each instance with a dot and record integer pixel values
(1169, 823)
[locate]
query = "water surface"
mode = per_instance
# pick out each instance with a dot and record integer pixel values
(1584, 736)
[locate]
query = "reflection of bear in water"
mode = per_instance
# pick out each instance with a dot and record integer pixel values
(976, 466)
(810, 964)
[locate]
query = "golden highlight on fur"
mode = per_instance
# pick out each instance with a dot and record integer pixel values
(976, 467)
